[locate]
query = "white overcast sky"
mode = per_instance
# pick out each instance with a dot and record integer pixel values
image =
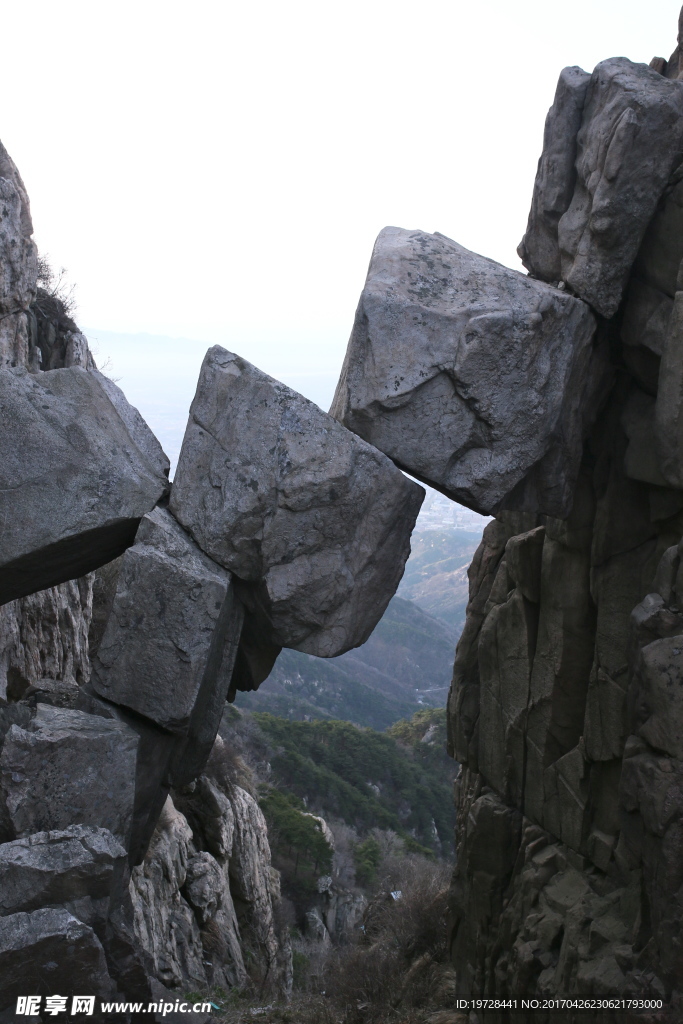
(217, 172)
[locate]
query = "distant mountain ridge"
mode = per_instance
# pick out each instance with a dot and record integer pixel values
(405, 665)
(435, 578)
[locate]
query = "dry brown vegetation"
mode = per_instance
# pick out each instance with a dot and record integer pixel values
(397, 972)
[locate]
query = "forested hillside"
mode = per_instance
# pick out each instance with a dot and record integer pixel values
(399, 780)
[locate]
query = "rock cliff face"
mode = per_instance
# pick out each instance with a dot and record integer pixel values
(565, 706)
(283, 529)
(565, 709)
(205, 897)
(554, 400)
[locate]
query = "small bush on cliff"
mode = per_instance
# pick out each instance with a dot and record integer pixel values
(55, 298)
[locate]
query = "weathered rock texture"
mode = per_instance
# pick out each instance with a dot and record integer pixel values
(206, 896)
(33, 948)
(18, 265)
(68, 768)
(565, 709)
(476, 379)
(73, 481)
(44, 637)
(612, 145)
(313, 521)
(80, 862)
(86, 765)
(169, 646)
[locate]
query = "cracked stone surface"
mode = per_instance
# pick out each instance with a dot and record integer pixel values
(74, 481)
(474, 378)
(314, 522)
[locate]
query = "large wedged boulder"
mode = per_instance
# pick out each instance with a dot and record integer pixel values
(476, 379)
(78, 472)
(169, 647)
(314, 522)
(629, 142)
(164, 663)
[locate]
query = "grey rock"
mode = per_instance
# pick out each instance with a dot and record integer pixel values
(143, 437)
(313, 521)
(169, 647)
(257, 651)
(661, 251)
(672, 67)
(652, 620)
(45, 636)
(605, 719)
(157, 752)
(18, 264)
(204, 885)
(59, 866)
(472, 377)
(668, 411)
(47, 952)
(209, 814)
(555, 177)
(505, 666)
(165, 924)
(644, 327)
(69, 768)
(104, 582)
(73, 481)
(630, 140)
(342, 910)
(315, 927)
(255, 887)
(642, 460)
(659, 697)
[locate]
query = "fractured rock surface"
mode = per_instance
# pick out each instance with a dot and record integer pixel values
(39, 951)
(169, 646)
(74, 481)
(69, 768)
(598, 185)
(316, 522)
(472, 377)
(18, 264)
(58, 867)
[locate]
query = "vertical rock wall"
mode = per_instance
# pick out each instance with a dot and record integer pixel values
(565, 710)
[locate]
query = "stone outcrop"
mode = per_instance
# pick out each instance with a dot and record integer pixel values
(18, 265)
(565, 708)
(44, 640)
(174, 617)
(132, 858)
(62, 428)
(68, 768)
(84, 777)
(33, 948)
(82, 862)
(313, 522)
(338, 913)
(600, 179)
(472, 377)
(206, 896)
